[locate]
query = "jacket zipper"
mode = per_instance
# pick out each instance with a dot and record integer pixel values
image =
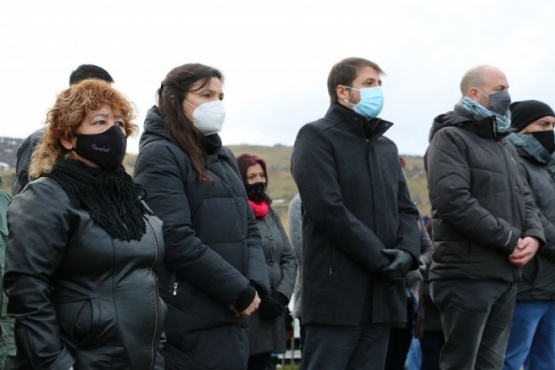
(154, 351)
(510, 184)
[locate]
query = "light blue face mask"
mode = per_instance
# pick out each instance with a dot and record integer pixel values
(371, 101)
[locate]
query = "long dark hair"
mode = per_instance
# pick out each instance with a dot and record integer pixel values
(172, 92)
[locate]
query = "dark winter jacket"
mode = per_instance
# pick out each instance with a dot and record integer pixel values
(480, 203)
(356, 203)
(268, 335)
(7, 344)
(24, 154)
(538, 276)
(213, 247)
(79, 296)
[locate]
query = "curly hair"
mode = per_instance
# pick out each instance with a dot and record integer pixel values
(71, 108)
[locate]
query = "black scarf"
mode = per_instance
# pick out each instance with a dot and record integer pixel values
(211, 143)
(112, 199)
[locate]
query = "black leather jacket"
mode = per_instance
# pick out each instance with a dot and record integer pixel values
(80, 297)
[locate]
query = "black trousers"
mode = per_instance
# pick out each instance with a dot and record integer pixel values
(401, 338)
(334, 347)
(430, 344)
(476, 316)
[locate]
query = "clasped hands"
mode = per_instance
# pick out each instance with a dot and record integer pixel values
(525, 250)
(400, 263)
(253, 306)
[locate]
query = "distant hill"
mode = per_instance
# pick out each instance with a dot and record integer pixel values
(282, 188)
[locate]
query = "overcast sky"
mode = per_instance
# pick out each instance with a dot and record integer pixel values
(275, 55)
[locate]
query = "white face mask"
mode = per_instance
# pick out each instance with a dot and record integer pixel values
(209, 117)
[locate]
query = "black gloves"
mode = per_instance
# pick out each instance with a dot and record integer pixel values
(400, 264)
(245, 299)
(272, 306)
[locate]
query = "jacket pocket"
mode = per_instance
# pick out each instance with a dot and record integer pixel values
(23, 342)
(173, 286)
(85, 323)
(450, 252)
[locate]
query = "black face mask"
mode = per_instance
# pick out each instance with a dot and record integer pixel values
(546, 139)
(255, 191)
(106, 149)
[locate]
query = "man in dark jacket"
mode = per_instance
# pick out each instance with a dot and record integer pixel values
(27, 147)
(485, 223)
(532, 338)
(360, 231)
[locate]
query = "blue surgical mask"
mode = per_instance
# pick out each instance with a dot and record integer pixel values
(371, 101)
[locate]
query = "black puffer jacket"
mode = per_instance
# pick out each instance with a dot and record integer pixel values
(480, 204)
(213, 247)
(80, 297)
(538, 276)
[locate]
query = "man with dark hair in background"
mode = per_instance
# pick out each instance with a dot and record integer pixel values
(25, 150)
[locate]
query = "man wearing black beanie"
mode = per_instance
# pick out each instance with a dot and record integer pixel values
(532, 337)
(524, 113)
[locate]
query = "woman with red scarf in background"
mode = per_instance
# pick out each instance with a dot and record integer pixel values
(267, 325)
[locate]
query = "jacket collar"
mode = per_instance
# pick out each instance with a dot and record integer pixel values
(368, 129)
(460, 117)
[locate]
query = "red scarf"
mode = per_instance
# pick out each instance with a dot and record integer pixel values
(259, 208)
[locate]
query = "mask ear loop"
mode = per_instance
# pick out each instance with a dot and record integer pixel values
(73, 136)
(188, 102)
(347, 101)
(186, 115)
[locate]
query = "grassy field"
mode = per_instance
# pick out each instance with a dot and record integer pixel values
(287, 367)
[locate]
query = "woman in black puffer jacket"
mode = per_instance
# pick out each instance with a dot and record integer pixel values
(83, 250)
(214, 260)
